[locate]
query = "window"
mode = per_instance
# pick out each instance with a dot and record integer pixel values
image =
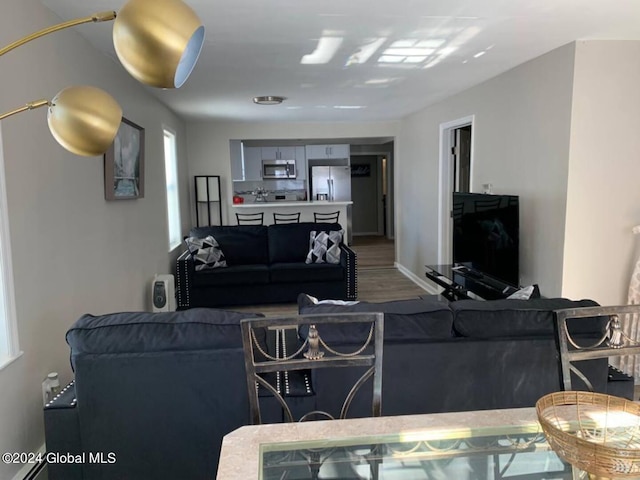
(173, 201)
(8, 330)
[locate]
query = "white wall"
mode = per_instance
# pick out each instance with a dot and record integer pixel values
(521, 146)
(73, 252)
(209, 151)
(603, 202)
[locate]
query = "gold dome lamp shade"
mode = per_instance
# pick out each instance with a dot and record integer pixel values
(157, 41)
(82, 119)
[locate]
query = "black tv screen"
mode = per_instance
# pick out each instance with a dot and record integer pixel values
(486, 234)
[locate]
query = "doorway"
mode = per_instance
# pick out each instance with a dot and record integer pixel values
(366, 195)
(372, 189)
(456, 175)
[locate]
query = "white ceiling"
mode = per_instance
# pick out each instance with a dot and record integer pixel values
(256, 47)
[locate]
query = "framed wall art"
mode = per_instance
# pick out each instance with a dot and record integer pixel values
(124, 163)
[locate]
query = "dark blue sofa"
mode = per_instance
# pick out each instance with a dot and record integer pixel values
(466, 355)
(161, 390)
(266, 264)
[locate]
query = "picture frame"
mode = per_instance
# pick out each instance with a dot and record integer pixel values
(124, 163)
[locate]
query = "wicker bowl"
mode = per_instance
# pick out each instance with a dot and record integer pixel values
(594, 432)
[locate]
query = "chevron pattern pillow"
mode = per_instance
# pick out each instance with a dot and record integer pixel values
(206, 252)
(324, 247)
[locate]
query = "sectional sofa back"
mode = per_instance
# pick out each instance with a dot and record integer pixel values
(159, 390)
(518, 318)
(467, 355)
(241, 244)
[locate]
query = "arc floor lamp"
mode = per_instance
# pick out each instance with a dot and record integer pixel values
(157, 41)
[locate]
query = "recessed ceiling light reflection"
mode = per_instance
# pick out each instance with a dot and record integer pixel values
(415, 59)
(441, 55)
(327, 47)
(365, 51)
(404, 43)
(433, 43)
(293, 108)
(349, 107)
(390, 59)
(380, 81)
(409, 52)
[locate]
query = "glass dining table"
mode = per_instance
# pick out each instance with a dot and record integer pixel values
(490, 444)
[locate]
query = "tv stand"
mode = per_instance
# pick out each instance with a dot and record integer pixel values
(462, 282)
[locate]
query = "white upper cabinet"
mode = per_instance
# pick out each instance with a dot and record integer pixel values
(327, 151)
(236, 165)
(278, 153)
(301, 163)
(252, 163)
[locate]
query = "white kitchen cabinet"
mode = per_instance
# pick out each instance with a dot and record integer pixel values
(236, 167)
(327, 151)
(252, 163)
(301, 163)
(278, 153)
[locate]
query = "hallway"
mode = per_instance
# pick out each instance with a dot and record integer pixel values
(374, 251)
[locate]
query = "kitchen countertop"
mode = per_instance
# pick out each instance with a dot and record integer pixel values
(300, 203)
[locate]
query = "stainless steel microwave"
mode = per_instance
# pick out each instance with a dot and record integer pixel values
(278, 169)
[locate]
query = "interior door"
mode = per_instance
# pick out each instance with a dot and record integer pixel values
(462, 159)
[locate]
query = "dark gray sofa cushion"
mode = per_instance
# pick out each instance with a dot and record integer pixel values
(516, 318)
(145, 332)
(302, 272)
(238, 275)
(404, 320)
(240, 244)
(289, 243)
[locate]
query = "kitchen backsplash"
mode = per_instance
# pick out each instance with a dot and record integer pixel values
(299, 187)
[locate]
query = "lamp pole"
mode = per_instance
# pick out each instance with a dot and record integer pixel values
(96, 17)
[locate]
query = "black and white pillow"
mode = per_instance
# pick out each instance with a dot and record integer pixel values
(324, 247)
(206, 252)
(525, 293)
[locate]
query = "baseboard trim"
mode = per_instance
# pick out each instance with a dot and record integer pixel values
(24, 471)
(417, 280)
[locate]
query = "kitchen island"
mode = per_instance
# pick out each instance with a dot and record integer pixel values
(306, 209)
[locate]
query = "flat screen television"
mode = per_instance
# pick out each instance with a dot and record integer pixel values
(486, 234)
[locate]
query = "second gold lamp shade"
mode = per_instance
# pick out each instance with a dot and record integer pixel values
(157, 41)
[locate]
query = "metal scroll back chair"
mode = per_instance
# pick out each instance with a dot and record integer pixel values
(326, 217)
(250, 218)
(286, 217)
(615, 342)
(315, 352)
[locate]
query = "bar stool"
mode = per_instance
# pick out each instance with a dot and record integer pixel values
(250, 218)
(326, 217)
(286, 217)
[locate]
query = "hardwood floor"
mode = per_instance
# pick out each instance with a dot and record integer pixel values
(378, 279)
(374, 251)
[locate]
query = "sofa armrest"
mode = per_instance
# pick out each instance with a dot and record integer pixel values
(62, 433)
(349, 261)
(184, 279)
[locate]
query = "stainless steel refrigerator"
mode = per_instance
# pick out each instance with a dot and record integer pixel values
(331, 183)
